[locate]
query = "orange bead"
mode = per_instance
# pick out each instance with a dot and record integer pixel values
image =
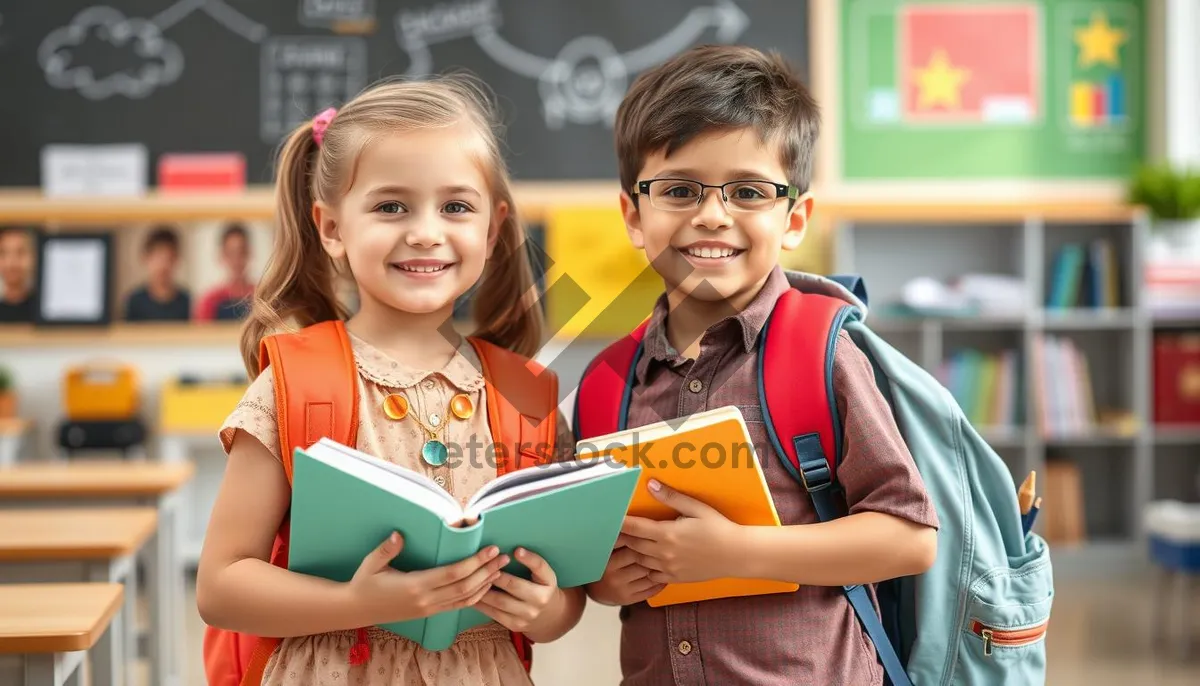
(461, 406)
(395, 406)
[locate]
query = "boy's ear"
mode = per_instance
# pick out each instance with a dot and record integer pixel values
(498, 217)
(633, 221)
(798, 218)
(327, 228)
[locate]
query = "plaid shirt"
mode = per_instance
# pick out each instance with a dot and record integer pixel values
(811, 636)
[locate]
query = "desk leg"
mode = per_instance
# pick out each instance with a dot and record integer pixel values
(164, 572)
(117, 649)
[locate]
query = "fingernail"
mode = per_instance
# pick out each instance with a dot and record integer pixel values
(655, 486)
(503, 560)
(394, 538)
(493, 551)
(521, 552)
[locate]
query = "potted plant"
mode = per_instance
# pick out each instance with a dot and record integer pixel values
(8, 394)
(1172, 196)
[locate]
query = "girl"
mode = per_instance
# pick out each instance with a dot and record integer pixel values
(403, 190)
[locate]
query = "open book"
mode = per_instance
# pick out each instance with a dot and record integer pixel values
(709, 456)
(346, 502)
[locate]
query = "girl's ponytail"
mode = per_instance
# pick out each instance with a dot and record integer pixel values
(506, 308)
(298, 285)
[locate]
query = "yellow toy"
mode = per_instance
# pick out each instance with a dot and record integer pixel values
(101, 391)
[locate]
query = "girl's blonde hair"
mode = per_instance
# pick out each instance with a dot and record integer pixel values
(298, 287)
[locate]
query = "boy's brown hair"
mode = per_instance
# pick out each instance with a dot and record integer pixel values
(716, 87)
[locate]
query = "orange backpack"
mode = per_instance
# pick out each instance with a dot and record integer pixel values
(322, 401)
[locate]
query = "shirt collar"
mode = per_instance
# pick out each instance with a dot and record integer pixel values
(749, 321)
(463, 370)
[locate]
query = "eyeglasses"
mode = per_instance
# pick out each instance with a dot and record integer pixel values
(745, 195)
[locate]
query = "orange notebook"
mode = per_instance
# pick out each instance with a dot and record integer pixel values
(709, 456)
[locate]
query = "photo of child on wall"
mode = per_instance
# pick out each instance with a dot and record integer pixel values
(17, 259)
(230, 299)
(160, 297)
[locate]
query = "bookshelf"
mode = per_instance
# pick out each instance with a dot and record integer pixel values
(1095, 348)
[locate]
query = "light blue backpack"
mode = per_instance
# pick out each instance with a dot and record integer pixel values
(979, 615)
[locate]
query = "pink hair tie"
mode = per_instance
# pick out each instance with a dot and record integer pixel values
(320, 123)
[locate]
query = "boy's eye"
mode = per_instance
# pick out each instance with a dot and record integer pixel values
(390, 207)
(749, 193)
(457, 207)
(681, 192)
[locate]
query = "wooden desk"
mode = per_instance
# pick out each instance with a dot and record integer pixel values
(47, 629)
(88, 483)
(80, 544)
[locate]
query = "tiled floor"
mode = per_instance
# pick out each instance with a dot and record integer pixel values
(1100, 635)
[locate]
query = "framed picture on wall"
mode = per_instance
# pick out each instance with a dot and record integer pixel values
(76, 279)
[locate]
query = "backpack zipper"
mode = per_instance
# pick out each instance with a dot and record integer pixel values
(1011, 638)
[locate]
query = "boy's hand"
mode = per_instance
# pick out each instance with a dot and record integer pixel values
(519, 604)
(625, 582)
(697, 546)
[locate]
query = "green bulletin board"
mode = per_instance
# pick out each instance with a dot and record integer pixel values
(1020, 89)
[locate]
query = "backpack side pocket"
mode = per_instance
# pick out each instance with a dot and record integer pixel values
(1002, 640)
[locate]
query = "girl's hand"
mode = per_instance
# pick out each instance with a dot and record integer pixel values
(519, 604)
(389, 595)
(697, 546)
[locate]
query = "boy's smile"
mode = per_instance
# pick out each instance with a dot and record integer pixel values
(705, 247)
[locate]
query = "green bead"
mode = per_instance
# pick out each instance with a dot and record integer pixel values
(434, 453)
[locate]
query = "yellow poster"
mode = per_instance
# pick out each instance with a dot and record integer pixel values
(598, 284)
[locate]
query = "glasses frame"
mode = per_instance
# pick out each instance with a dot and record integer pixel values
(782, 190)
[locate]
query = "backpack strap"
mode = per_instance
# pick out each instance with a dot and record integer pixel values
(522, 399)
(316, 396)
(602, 400)
(796, 351)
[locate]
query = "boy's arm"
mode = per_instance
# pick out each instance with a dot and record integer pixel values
(891, 528)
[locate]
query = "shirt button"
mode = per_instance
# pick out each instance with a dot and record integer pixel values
(695, 385)
(685, 647)
(440, 480)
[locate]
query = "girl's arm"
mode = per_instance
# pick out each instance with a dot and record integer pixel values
(237, 587)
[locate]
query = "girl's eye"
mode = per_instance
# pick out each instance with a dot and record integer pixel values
(390, 207)
(457, 207)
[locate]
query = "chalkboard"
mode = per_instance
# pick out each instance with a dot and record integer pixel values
(235, 75)
(1035, 89)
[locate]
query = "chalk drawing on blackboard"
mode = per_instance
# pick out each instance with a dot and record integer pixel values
(305, 74)
(219, 10)
(325, 13)
(150, 60)
(584, 83)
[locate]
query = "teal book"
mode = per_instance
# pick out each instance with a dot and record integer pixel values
(346, 502)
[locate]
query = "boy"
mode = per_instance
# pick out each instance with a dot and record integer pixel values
(159, 299)
(16, 275)
(715, 151)
(230, 300)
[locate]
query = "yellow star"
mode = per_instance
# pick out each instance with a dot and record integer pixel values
(940, 82)
(1099, 42)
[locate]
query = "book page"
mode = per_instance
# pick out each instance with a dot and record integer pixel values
(534, 480)
(410, 485)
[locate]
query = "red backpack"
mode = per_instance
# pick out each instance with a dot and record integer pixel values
(325, 404)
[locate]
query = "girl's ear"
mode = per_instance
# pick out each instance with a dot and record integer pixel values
(498, 218)
(797, 222)
(326, 222)
(633, 221)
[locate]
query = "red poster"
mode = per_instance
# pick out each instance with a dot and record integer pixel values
(970, 63)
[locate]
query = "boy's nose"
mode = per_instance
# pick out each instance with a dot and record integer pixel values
(712, 213)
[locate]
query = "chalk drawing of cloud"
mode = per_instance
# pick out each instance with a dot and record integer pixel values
(148, 61)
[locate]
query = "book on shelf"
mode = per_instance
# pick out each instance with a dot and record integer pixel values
(708, 456)
(346, 502)
(1064, 399)
(1084, 275)
(986, 386)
